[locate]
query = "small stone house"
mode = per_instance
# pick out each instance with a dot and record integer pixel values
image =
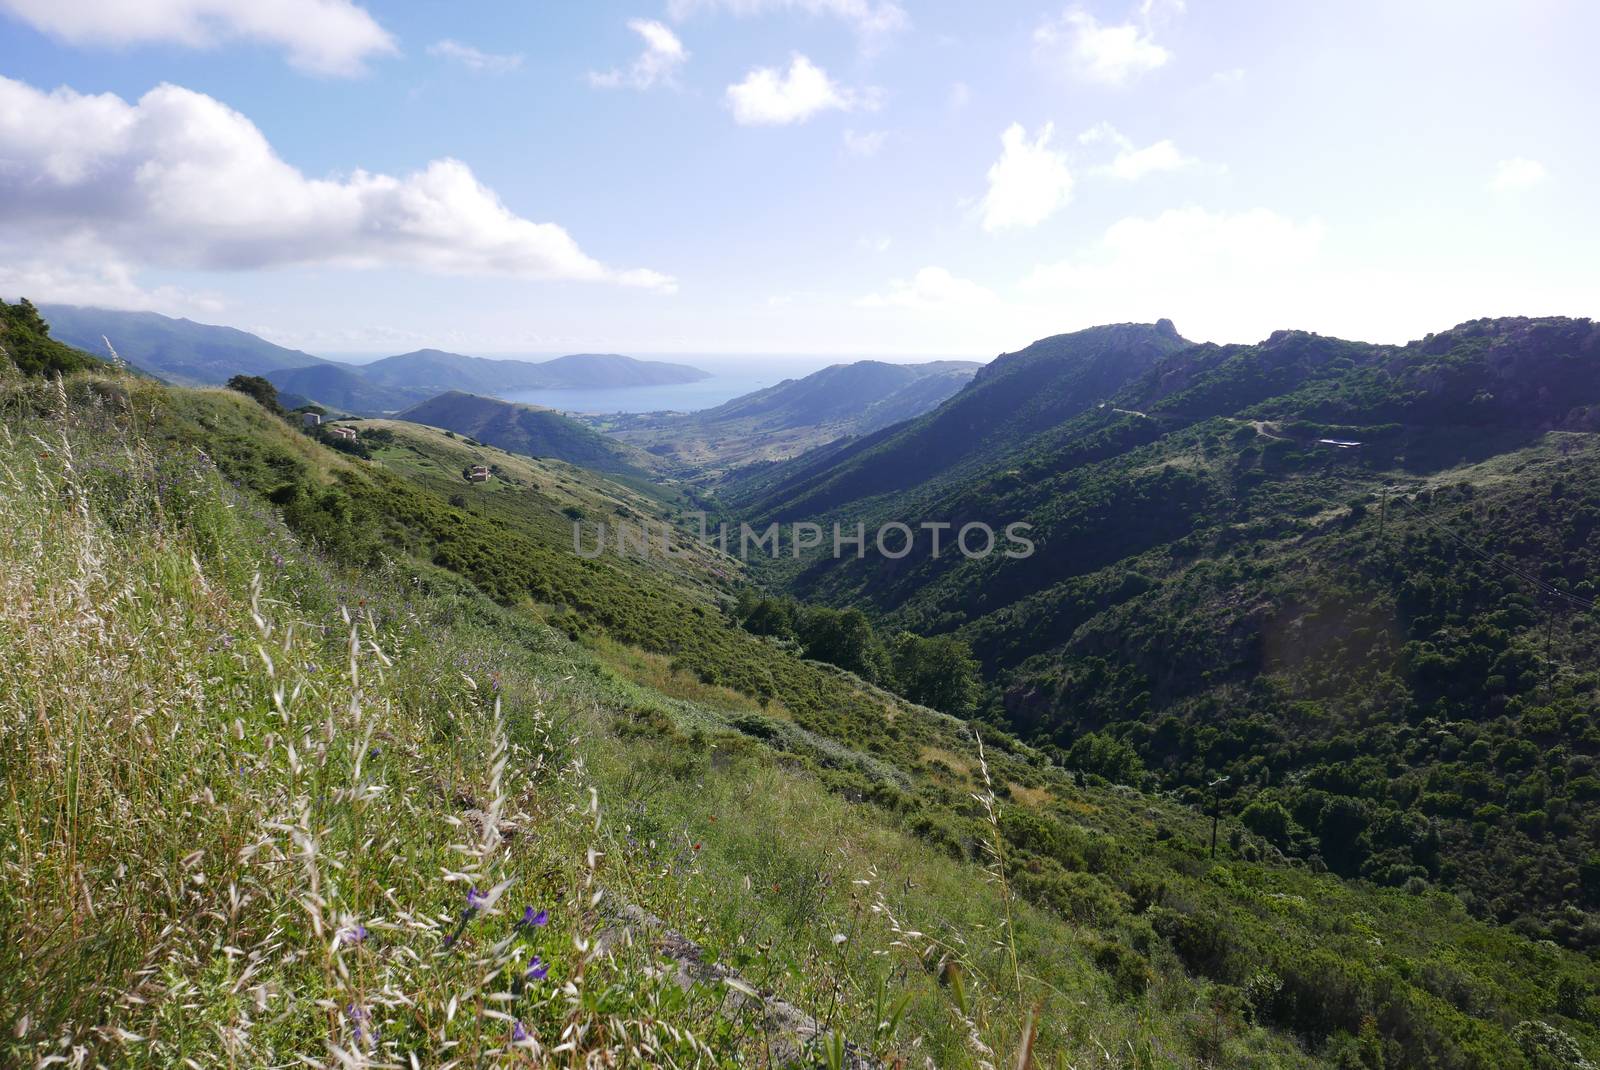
(479, 473)
(343, 432)
(311, 419)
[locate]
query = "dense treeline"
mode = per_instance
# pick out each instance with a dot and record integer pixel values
(938, 672)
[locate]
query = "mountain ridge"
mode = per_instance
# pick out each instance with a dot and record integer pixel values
(178, 349)
(779, 421)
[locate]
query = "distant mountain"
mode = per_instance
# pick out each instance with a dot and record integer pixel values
(1007, 402)
(433, 371)
(195, 354)
(795, 415)
(605, 370)
(178, 350)
(532, 431)
(342, 386)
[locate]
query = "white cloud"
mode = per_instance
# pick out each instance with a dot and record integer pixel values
(930, 289)
(79, 272)
(1104, 54)
(864, 143)
(1209, 271)
(871, 20)
(180, 180)
(322, 36)
(657, 65)
(474, 59)
(769, 97)
(1517, 173)
(1028, 183)
(1133, 163)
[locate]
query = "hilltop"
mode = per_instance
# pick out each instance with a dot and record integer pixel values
(531, 430)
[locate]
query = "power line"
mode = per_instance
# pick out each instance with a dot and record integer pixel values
(1494, 561)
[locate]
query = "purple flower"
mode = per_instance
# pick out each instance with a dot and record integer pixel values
(532, 920)
(476, 900)
(519, 1033)
(537, 968)
(355, 934)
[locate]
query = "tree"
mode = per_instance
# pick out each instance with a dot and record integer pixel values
(1269, 820)
(771, 616)
(844, 638)
(939, 672)
(1107, 756)
(265, 394)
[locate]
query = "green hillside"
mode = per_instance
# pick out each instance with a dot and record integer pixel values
(531, 430)
(277, 708)
(1385, 646)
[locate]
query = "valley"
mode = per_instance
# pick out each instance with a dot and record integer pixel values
(1201, 629)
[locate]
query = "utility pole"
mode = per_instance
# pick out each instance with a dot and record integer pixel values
(1216, 811)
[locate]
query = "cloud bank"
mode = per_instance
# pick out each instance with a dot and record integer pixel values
(322, 36)
(180, 180)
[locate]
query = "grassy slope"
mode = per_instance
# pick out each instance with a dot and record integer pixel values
(127, 596)
(532, 430)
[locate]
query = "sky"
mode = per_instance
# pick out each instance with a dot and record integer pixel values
(836, 177)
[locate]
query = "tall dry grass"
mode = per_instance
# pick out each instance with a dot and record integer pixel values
(246, 825)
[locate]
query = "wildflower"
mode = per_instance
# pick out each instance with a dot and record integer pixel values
(537, 969)
(534, 920)
(476, 901)
(355, 934)
(519, 1033)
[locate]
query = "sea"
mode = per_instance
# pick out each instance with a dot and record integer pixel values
(731, 376)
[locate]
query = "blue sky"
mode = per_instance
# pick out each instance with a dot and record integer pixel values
(798, 176)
